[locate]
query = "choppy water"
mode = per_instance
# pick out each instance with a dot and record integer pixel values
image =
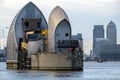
(92, 71)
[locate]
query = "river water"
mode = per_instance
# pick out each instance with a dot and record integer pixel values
(92, 71)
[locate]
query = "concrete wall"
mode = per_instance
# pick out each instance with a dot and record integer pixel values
(50, 60)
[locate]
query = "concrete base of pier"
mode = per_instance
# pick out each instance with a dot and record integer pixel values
(53, 61)
(11, 64)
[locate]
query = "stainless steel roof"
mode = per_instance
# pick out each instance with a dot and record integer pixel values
(57, 15)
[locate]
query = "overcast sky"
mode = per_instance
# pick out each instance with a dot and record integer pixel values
(83, 15)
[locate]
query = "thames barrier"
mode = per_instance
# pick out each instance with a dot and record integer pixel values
(34, 44)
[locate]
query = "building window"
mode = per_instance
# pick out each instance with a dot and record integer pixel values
(38, 24)
(66, 34)
(26, 24)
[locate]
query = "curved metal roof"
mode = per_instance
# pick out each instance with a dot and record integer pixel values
(57, 15)
(16, 31)
(19, 12)
(18, 17)
(14, 22)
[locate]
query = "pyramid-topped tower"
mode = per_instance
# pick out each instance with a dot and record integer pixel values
(111, 33)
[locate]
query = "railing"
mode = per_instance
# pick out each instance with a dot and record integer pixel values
(68, 43)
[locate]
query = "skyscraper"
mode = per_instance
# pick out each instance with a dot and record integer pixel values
(98, 32)
(111, 33)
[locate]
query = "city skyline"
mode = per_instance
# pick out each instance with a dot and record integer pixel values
(82, 18)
